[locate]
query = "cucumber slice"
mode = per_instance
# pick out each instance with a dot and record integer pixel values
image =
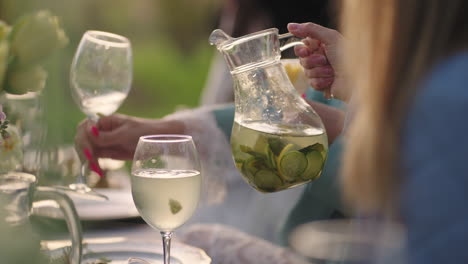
(292, 164)
(285, 150)
(267, 180)
(253, 164)
(314, 165)
(315, 147)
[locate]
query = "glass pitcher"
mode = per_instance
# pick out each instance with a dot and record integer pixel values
(18, 191)
(277, 141)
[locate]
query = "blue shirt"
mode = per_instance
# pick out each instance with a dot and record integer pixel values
(434, 194)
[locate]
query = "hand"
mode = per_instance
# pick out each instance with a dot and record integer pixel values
(320, 58)
(116, 136)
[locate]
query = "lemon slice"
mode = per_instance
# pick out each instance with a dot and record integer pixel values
(296, 74)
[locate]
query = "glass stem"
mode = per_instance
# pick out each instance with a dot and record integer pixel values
(82, 176)
(166, 238)
(94, 118)
(81, 180)
(80, 184)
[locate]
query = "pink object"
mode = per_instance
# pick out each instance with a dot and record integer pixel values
(93, 166)
(88, 154)
(303, 95)
(95, 131)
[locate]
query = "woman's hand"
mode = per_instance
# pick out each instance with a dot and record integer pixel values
(320, 58)
(116, 136)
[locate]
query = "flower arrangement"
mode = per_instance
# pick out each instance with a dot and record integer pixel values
(11, 154)
(23, 47)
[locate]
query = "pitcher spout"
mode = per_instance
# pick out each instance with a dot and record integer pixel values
(218, 37)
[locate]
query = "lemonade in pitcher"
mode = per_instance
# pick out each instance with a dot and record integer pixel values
(276, 157)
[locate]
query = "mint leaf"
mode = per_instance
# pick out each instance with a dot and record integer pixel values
(175, 206)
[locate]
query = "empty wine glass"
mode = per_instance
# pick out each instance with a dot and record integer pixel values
(166, 183)
(100, 79)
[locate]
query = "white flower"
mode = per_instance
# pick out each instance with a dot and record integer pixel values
(23, 80)
(11, 153)
(36, 36)
(4, 30)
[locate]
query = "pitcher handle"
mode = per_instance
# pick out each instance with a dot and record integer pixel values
(288, 45)
(71, 218)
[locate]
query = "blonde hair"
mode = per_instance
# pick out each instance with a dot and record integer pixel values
(390, 45)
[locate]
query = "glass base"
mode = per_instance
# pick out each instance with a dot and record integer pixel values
(83, 191)
(137, 261)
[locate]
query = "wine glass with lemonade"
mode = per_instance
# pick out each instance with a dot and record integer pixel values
(100, 79)
(166, 183)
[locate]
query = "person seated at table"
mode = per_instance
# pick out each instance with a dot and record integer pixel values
(241, 17)
(400, 163)
(211, 127)
(405, 158)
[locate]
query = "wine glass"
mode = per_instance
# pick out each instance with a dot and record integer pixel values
(166, 183)
(100, 79)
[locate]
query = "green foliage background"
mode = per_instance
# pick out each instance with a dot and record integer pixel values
(171, 53)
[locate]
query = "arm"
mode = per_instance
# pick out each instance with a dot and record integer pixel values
(332, 118)
(116, 136)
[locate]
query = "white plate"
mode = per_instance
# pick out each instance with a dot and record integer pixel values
(119, 206)
(151, 252)
(121, 251)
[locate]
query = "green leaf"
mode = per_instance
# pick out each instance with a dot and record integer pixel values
(276, 145)
(175, 206)
(250, 151)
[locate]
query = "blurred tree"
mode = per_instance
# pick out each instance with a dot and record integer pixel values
(187, 21)
(171, 53)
